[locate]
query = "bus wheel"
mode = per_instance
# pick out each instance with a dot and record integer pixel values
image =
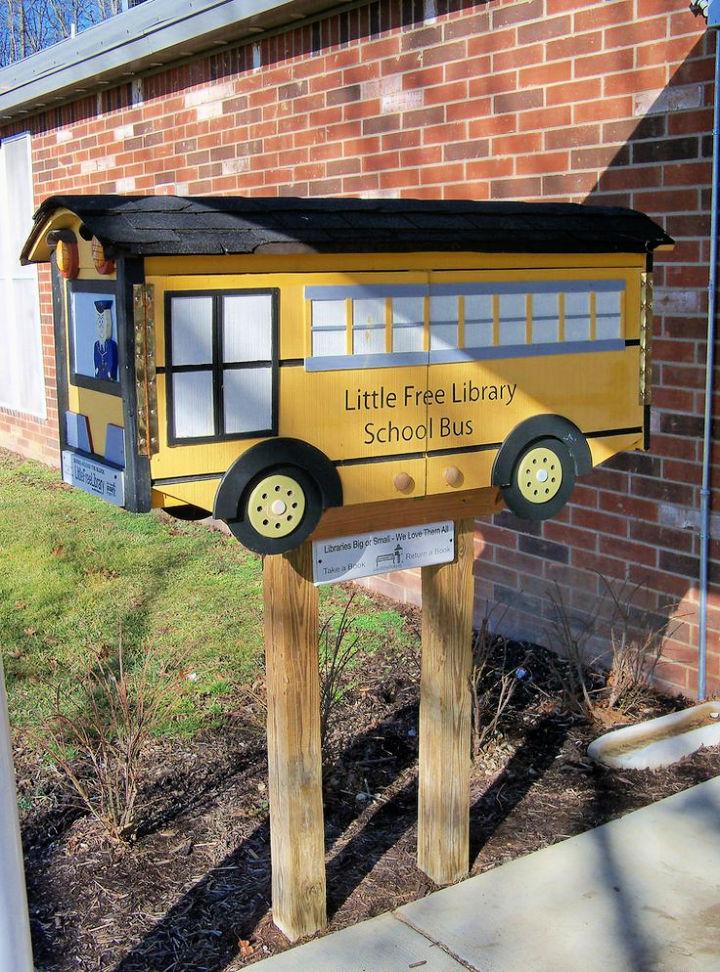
(542, 480)
(280, 508)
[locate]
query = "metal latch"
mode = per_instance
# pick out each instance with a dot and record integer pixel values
(145, 373)
(646, 325)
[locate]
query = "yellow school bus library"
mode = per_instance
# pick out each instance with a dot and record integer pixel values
(285, 362)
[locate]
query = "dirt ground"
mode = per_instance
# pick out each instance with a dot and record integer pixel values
(193, 891)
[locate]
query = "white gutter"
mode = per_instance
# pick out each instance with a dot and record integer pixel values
(144, 37)
(711, 10)
(15, 947)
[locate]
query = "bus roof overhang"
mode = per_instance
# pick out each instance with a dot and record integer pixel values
(218, 225)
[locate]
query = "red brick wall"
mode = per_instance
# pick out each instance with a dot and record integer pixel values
(607, 101)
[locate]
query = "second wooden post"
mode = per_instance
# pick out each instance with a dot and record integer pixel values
(445, 712)
(297, 839)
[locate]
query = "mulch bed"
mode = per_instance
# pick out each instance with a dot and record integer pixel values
(193, 891)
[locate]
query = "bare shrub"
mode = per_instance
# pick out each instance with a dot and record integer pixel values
(99, 748)
(337, 648)
(619, 676)
(636, 645)
(492, 686)
(253, 706)
(576, 672)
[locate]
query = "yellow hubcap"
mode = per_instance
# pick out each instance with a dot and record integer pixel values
(276, 506)
(539, 475)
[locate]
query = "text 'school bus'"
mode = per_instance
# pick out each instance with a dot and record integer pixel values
(269, 359)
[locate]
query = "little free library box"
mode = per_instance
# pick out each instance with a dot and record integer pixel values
(289, 364)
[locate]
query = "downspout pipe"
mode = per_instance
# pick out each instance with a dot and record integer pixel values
(15, 945)
(712, 11)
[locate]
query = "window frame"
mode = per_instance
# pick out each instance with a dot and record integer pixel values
(461, 290)
(78, 286)
(217, 365)
(29, 397)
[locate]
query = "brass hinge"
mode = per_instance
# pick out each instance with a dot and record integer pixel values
(646, 325)
(145, 384)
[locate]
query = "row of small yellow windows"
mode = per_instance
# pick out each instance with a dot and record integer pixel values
(379, 325)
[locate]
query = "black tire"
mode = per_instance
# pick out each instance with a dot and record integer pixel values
(524, 495)
(244, 531)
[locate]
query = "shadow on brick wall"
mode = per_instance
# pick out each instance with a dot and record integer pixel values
(635, 518)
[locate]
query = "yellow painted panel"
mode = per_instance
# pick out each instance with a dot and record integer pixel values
(607, 446)
(475, 469)
(375, 481)
(367, 413)
(100, 409)
(301, 394)
(374, 262)
(356, 414)
(200, 493)
(481, 402)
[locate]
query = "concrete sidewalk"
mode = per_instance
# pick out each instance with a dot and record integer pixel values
(640, 894)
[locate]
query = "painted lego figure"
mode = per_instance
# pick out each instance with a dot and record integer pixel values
(106, 351)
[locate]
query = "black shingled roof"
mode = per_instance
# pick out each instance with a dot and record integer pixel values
(170, 225)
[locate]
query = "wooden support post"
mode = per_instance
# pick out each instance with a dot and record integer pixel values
(297, 841)
(445, 706)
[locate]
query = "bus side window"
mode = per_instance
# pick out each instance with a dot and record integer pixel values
(513, 318)
(247, 358)
(577, 316)
(545, 318)
(368, 325)
(443, 323)
(478, 321)
(220, 359)
(608, 322)
(191, 348)
(408, 326)
(328, 327)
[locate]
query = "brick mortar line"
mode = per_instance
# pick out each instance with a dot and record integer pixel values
(445, 948)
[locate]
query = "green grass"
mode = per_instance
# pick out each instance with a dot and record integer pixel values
(77, 574)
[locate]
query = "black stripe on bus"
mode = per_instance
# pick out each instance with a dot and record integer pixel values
(288, 363)
(596, 435)
(171, 480)
(372, 460)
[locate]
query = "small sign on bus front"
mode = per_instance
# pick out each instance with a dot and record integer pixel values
(366, 554)
(94, 477)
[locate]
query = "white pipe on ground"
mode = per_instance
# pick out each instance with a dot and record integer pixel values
(15, 947)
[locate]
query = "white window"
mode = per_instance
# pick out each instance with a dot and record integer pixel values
(513, 318)
(408, 323)
(577, 317)
(328, 327)
(22, 384)
(369, 325)
(443, 323)
(478, 321)
(545, 318)
(608, 323)
(221, 359)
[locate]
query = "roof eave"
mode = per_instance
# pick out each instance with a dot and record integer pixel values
(149, 35)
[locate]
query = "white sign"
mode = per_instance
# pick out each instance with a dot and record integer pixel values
(365, 554)
(94, 477)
